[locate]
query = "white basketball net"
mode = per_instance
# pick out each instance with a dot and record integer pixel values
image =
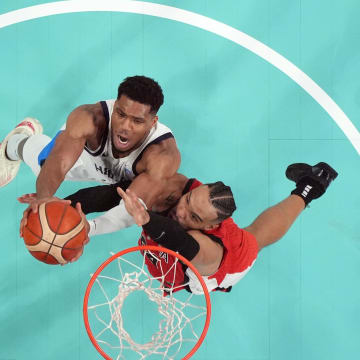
(176, 326)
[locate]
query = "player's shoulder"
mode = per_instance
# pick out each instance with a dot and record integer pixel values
(164, 153)
(163, 147)
(86, 120)
(91, 111)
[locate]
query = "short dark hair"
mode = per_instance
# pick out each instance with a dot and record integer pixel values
(143, 90)
(221, 197)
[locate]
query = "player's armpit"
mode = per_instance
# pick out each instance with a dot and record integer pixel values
(208, 259)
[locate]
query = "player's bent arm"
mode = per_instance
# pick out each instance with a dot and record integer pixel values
(67, 149)
(208, 259)
(157, 165)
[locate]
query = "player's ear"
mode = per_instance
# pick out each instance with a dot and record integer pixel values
(154, 120)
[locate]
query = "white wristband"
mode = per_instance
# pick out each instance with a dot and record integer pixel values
(92, 224)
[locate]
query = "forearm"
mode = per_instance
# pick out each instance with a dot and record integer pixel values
(98, 198)
(113, 220)
(49, 180)
(63, 156)
(272, 224)
(169, 233)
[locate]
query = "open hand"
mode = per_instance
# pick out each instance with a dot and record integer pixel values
(134, 207)
(34, 204)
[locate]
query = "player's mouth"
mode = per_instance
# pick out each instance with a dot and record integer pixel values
(122, 141)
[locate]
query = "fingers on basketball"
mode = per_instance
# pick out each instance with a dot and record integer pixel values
(79, 209)
(56, 234)
(23, 221)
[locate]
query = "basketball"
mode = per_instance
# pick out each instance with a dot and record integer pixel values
(55, 234)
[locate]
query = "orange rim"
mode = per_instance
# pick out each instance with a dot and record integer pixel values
(148, 248)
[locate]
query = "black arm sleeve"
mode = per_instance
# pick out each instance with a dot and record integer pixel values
(169, 233)
(98, 198)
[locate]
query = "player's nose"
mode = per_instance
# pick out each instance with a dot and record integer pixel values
(125, 124)
(180, 212)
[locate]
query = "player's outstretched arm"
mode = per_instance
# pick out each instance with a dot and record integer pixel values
(67, 149)
(273, 223)
(98, 198)
(311, 183)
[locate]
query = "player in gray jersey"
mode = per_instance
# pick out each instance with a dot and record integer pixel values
(107, 142)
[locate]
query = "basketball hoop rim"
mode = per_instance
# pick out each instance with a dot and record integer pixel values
(148, 248)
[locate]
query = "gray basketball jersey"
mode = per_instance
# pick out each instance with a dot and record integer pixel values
(101, 166)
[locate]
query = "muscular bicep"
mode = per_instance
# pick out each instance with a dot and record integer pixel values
(157, 166)
(160, 161)
(71, 141)
(210, 254)
(148, 188)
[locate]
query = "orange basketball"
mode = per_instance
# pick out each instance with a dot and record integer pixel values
(55, 234)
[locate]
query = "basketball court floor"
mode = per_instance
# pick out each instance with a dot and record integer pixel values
(236, 118)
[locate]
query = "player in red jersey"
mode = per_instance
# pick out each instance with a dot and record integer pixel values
(194, 219)
(202, 217)
(226, 252)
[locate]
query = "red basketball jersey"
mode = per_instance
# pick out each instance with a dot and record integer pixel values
(240, 252)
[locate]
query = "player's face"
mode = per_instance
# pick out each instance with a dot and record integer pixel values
(131, 122)
(195, 211)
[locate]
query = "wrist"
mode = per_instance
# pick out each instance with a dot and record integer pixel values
(91, 227)
(42, 196)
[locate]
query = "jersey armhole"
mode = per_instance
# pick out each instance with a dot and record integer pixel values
(155, 141)
(100, 149)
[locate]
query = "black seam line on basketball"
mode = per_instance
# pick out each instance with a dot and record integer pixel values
(56, 233)
(59, 246)
(37, 236)
(41, 239)
(64, 246)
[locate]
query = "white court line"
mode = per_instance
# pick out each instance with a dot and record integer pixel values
(202, 22)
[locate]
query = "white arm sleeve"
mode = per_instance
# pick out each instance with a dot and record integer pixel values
(113, 220)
